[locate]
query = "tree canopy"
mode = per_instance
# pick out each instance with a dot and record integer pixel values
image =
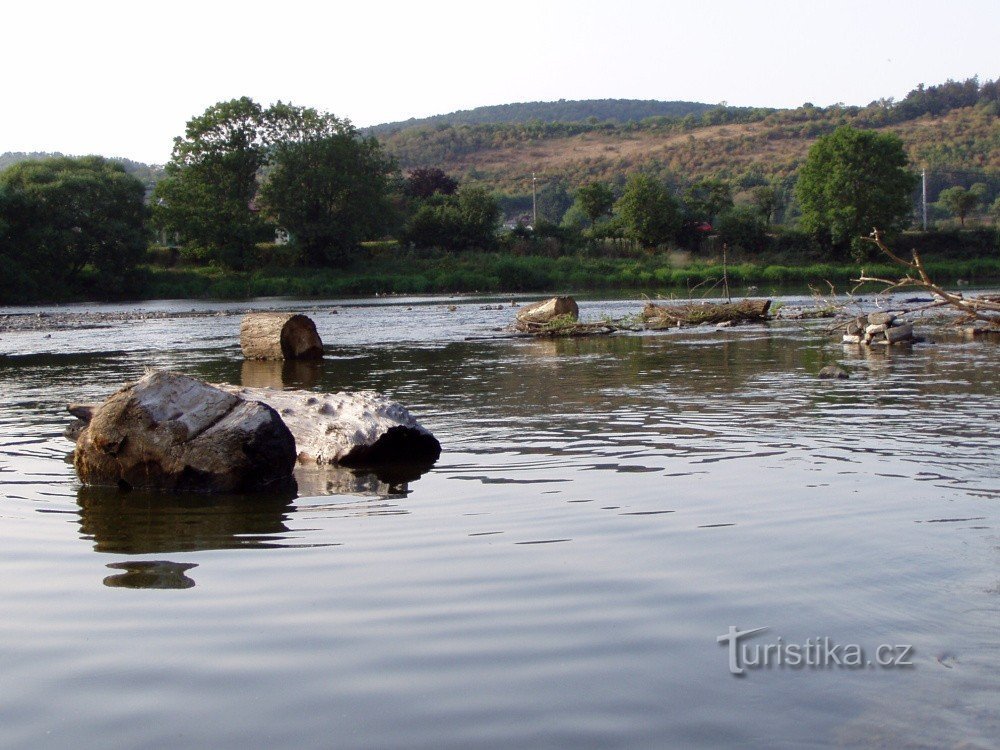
(59, 216)
(648, 211)
(466, 220)
(959, 201)
(595, 200)
(853, 181)
(241, 170)
(329, 193)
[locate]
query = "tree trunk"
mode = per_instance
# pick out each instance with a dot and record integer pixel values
(279, 336)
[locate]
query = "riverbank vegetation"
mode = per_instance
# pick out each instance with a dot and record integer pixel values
(287, 200)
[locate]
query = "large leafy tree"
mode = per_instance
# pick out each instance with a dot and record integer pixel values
(214, 191)
(648, 211)
(706, 199)
(426, 181)
(853, 181)
(553, 201)
(330, 191)
(210, 186)
(61, 215)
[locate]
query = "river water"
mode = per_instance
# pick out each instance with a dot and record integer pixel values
(603, 511)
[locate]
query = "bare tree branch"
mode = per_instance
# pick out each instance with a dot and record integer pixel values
(982, 308)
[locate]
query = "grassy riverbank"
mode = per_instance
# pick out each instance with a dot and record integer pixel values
(489, 272)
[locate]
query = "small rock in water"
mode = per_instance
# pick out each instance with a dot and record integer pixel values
(833, 372)
(857, 326)
(852, 339)
(881, 318)
(899, 334)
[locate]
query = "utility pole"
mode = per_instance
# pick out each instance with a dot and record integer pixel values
(923, 178)
(534, 202)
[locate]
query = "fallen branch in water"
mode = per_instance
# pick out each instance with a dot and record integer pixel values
(564, 325)
(670, 316)
(985, 308)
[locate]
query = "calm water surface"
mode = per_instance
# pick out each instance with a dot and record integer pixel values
(603, 510)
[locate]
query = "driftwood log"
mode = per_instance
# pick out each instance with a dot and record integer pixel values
(175, 432)
(670, 316)
(272, 335)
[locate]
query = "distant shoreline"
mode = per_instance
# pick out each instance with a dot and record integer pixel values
(501, 273)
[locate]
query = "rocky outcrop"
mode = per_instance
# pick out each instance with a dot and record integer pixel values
(363, 428)
(272, 335)
(172, 431)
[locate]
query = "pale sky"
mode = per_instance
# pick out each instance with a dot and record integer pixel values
(122, 78)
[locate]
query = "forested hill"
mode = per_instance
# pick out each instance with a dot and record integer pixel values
(599, 110)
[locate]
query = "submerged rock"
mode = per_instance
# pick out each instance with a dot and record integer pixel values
(172, 431)
(831, 372)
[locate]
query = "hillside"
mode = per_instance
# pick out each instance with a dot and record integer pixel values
(953, 130)
(601, 110)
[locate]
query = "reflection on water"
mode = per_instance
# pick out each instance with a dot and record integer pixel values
(603, 509)
(140, 522)
(150, 574)
(301, 374)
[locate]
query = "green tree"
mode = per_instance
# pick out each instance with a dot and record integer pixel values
(596, 200)
(330, 192)
(767, 200)
(553, 201)
(648, 212)
(208, 193)
(425, 181)
(706, 199)
(744, 227)
(468, 219)
(853, 181)
(958, 201)
(62, 215)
